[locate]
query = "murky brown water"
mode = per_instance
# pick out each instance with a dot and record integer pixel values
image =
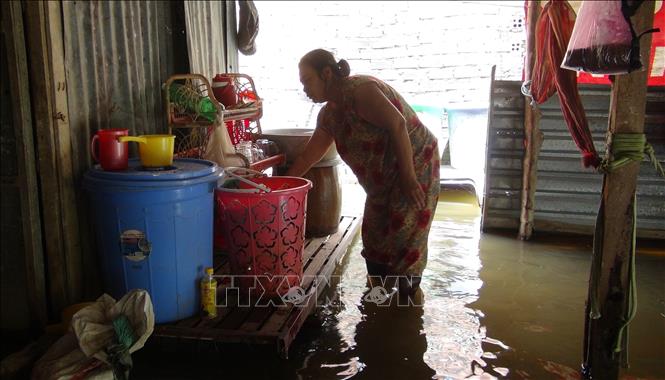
(494, 307)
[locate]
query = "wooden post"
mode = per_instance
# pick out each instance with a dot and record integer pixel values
(48, 90)
(69, 205)
(27, 171)
(533, 137)
(627, 108)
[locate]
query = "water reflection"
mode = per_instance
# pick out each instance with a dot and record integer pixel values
(391, 340)
(454, 334)
(369, 340)
(533, 298)
(493, 307)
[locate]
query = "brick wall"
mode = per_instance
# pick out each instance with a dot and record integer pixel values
(433, 53)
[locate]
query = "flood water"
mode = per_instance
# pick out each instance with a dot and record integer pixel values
(492, 307)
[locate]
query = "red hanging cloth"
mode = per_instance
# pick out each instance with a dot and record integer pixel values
(553, 30)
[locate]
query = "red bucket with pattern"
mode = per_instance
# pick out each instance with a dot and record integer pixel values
(264, 233)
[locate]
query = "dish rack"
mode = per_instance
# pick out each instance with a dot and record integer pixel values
(193, 128)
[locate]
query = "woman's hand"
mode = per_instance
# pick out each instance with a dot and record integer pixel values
(316, 148)
(413, 192)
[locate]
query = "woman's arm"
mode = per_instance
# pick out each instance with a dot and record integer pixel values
(316, 148)
(373, 106)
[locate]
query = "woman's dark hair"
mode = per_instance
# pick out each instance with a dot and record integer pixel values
(319, 59)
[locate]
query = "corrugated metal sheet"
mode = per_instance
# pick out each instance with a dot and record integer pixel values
(567, 195)
(231, 37)
(207, 36)
(118, 53)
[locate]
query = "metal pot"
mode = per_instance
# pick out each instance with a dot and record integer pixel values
(292, 141)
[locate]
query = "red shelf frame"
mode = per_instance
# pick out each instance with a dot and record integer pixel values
(269, 162)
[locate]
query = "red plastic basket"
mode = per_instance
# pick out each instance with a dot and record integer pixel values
(264, 232)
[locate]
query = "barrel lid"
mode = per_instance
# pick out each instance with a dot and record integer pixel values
(182, 169)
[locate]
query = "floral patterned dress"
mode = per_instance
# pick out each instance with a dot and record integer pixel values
(394, 233)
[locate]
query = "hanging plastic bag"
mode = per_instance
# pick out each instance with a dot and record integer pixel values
(220, 149)
(603, 40)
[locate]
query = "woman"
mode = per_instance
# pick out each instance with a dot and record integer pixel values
(394, 156)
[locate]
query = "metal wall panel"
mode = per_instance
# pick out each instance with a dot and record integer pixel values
(504, 156)
(567, 195)
(231, 33)
(118, 53)
(211, 37)
(205, 37)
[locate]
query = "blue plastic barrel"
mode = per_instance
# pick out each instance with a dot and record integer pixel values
(154, 231)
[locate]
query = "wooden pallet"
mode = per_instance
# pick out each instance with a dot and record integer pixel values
(276, 323)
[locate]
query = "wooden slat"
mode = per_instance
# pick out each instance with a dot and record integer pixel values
(275, 324)
(295, 320)
(250, 320)
(228, 336)
(326, 248)
(257, 318)
(63, 149)
(227, 301)
(40, 87)
(235, 318)
(27, 171)
(189, 322)
(58, 190)
(207, 323)
(277, 320)
(338, 252)
(310, 248)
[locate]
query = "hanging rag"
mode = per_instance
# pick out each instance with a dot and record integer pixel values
(553, 29)
(248, 27)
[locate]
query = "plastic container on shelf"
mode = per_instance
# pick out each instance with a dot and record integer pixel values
(245, 148)
(224, 90)
(192, 101)
(154, 231)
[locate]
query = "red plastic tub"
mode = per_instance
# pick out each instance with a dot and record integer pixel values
(264, 233)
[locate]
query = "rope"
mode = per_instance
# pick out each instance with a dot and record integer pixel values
(629, 147)
(621, 343)
(625, 148)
